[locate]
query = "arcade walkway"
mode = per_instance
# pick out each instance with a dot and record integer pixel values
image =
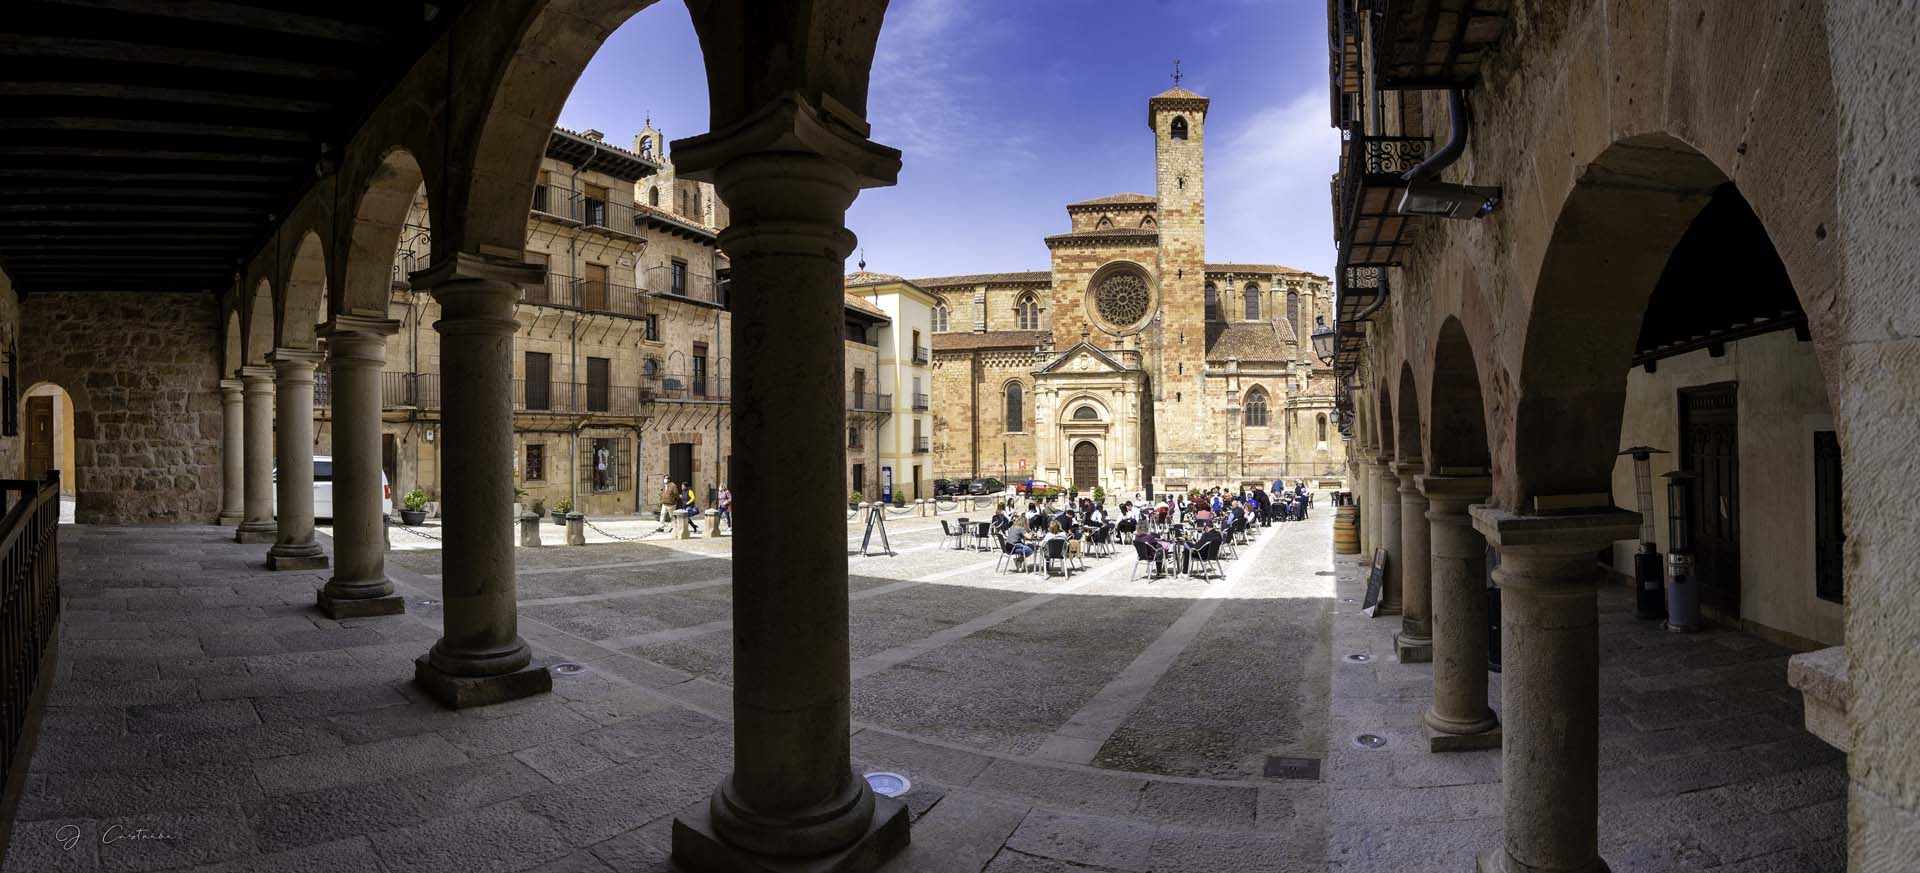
(207, 718)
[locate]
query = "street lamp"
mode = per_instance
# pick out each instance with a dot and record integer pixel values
(1323, 337)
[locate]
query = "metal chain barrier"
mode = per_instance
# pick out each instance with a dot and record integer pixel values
(605, 533)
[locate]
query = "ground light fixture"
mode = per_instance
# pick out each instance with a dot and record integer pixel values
(1323, 337)
(888, 784)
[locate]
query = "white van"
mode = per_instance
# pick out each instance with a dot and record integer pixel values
(323, 488)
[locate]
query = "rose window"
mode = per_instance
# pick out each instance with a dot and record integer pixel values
(1122, 298)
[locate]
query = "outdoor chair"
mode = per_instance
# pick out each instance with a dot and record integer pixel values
(1056, 550)
(948, 533)
(1149, 555)
(1204, 561)
(982, 535)
(1007, 556)
(1125, 529)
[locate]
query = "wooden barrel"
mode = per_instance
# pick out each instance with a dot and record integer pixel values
(1346, 530)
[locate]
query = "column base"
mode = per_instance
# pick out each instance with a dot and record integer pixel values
(464, 692)
(229, 519)
(358, 607)
(1495, 861)
(1413, 650)
(256, 536)
(1447, 741)
(308, 557)
(1386, 609)
(697, 846)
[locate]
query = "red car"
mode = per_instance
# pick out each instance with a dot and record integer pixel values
(1030, 486)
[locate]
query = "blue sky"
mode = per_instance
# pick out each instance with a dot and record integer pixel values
(1007, 110)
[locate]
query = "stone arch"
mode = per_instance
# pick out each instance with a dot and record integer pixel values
(1606, 253)
(1456, 412)
(233, 346)
(1178, 129)
(1406, 427)
(1104, 222)
(1074, 404)
(373, 235)
(824, 50)
(258, 338)
(303, 296)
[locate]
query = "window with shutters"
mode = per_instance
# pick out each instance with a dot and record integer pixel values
(537, 393)
(599, 374)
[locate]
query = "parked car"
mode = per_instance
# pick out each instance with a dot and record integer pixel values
(989, 485)
(1032, 485)
(323, 488)
(944, 487)
(960, 487)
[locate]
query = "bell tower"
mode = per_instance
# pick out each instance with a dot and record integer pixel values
(1181, 409)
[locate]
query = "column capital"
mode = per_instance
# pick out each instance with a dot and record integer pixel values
(790, 124)
(292, 362)
(231, 387)
(254, 374)
(1573, 533)
(479, 268)
(1407, 470)
(1451, 495)
(348, 325)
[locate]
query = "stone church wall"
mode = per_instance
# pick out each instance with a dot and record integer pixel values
(144, 378)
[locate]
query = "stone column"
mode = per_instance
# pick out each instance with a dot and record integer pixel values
(792, 800)
(1386, 513)
(294, 548)
(1414, 643)
(480, 657)
(356, 350)
(1550, 685)
(1459, 718)
(257, 389)
(233, 462)
(1363, 504)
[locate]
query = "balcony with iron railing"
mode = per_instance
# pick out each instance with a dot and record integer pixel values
(922, 445)
(921, 403)
(666, 283)
(398, 390)
(921, 356)
(576, 208)
(869, 401)
(587, 295)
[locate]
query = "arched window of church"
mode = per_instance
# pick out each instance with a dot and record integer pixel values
(1323, 427)
(1293, 311)
(653, 195)
(1147, 221)
(1027, 312)
(1213, 303)
(1016, 420)
(1256, 408)
(1253, 302)
(1086, 413)
(1179, 129)
(940, 317)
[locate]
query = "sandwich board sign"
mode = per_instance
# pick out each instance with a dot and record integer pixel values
(1376, 583)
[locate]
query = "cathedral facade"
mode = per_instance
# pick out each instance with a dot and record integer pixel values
(1134, 363)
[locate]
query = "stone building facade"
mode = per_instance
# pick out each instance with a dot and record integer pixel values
(1133, 363)
(621, 360)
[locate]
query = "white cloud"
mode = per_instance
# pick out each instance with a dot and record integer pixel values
(1267, 195)
(926, 98)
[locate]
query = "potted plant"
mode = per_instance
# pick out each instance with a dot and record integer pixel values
(560, 509)
(853, 500)
(413, 509)
(1099, 495)
(538, 507)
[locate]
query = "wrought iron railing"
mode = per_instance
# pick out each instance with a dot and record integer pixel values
(921, 356)
(29, 603)
(575, 207)
(869, 401)
(922, 445)
(921, 402)
(687, 285)
(590, 295)
(399, 390)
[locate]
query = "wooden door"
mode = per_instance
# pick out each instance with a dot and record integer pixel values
(1710, 449)
(39, 437)
(1086, 466)
(593, 287)
(680, 463)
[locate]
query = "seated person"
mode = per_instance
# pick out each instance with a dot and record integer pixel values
(1056, 532)
(1159, 550)
(1000, 520)
(1016, 536)
(1210, 536)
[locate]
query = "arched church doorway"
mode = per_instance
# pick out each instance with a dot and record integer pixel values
(1086, 465)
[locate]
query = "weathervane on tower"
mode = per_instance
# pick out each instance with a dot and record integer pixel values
(1176, 72)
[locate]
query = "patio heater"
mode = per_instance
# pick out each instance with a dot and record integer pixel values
(1648, 589)
(1683, 590)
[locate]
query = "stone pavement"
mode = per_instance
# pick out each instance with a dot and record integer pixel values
(207, 718)
(1705, 762)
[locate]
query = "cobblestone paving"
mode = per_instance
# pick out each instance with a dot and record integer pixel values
(1048, 724)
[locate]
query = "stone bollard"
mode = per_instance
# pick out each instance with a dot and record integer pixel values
(576, 529)
(680, 531)
(713, 522)
(530, 530)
